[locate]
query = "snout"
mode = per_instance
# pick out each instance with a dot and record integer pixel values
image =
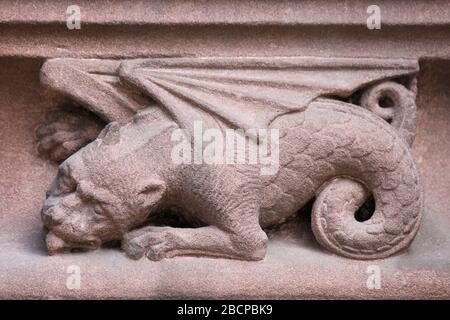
(54, 244)
(51, 216)
(68, 230)
(57, 245)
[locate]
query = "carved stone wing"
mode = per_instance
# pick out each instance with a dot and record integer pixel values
(94, 84)
(235, 92)
(251, 92)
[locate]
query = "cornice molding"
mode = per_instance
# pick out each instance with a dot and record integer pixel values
(216, 12)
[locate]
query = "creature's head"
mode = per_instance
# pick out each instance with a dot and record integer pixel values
(104, 189)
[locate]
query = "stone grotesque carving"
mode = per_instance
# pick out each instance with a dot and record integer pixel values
(329, 148)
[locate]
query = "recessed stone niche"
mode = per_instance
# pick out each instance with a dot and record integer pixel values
(412, 50)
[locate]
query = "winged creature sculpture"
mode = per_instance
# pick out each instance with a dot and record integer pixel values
(331, 147)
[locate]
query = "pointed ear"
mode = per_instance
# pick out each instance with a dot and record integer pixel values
(150, 192)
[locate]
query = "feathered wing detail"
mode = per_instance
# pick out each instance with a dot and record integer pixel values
(251, 92)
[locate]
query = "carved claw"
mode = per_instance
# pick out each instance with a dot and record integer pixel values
(153, 242)
(133, 248)
(66, 131)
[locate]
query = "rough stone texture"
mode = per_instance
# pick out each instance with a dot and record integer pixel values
(262, 28)
(295, 266)
(335, 150)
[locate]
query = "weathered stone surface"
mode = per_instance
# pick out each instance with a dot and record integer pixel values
(108, 190)
(295, 265)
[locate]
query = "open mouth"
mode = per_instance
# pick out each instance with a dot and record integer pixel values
(57, 245)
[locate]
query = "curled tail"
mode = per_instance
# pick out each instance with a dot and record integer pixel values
(369, 157)
(394, 103)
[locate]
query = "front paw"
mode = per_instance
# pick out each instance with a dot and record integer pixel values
(153, 242)
(133, 248)
(66, 131)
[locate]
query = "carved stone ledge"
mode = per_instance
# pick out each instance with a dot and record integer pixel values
(410, 29)
(362, 179)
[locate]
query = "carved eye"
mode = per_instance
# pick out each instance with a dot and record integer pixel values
(66, 184)
(99, 209)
